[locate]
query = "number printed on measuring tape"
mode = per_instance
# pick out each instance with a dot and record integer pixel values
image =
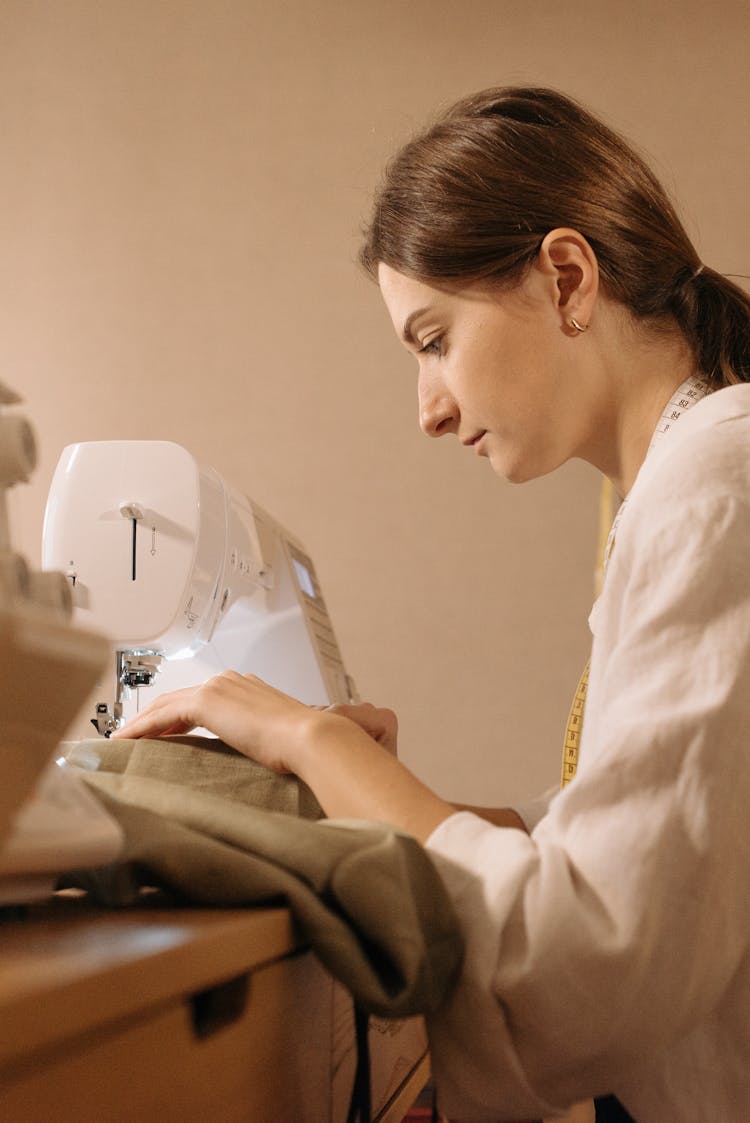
(574, 728)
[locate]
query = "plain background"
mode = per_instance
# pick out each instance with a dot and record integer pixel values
(182, 187)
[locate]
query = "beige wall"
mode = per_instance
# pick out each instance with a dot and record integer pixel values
(181, 189)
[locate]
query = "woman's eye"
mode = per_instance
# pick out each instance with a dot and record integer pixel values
(432, 346)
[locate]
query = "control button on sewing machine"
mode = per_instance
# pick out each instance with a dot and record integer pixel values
(54, 591)
(17, 450)
(15, 579)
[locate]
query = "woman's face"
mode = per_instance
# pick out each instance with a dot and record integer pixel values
(497, 369)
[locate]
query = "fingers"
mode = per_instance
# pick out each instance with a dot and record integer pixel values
(168, 713)
(379, 722)
(179, 711)
(253, 717)
(183, 710)
(242, 710)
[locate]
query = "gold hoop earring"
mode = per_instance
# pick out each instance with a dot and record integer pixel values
(579, 327)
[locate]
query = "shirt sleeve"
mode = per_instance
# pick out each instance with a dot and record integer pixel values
(532, 811)
(601, 939)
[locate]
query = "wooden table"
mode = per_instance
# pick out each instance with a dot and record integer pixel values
(164, 1015)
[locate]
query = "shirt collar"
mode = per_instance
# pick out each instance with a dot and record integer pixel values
(688, 394)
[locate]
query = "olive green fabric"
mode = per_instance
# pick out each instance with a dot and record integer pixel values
(202, 763)
(365, 896)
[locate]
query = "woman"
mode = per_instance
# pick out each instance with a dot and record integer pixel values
(556, 308)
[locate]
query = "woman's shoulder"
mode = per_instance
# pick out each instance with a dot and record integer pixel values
(729, 403)
(704, 457)
(692, 495)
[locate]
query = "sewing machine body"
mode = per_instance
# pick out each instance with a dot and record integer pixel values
(187, 576)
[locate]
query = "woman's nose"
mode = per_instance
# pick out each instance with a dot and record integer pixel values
(438, 412)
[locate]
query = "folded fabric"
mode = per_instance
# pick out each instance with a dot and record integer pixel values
(202, 763)
(365, 896)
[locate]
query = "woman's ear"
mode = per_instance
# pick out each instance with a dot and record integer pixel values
(570, 265)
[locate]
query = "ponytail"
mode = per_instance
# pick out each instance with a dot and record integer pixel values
(714, 316)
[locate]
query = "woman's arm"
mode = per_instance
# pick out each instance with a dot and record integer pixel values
(352, 774)
(382, 724)
(498, 816)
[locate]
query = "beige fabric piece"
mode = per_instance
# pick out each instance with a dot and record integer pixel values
(366, 897)
(202, 763)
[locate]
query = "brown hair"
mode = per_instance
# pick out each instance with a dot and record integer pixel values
(472, 197)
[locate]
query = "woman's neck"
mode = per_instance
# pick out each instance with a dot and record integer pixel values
(641, 372)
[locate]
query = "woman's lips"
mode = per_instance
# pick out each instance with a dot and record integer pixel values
(475, 441)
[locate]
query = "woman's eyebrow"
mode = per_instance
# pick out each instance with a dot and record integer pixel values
(406, 332)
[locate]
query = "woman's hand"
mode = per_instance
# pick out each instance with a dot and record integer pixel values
(381, 724)
(245, 712)
(252, 717)
(346, 754)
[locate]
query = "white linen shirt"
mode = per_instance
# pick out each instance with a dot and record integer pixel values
(609, 951)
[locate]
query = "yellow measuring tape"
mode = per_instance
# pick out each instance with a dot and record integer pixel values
(607, 505)
(573, 729)
(690, 392)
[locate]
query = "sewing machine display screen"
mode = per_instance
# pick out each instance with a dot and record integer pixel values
(304, 578)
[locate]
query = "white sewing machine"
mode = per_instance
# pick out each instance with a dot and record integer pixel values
(186, 576)
(49, 821)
